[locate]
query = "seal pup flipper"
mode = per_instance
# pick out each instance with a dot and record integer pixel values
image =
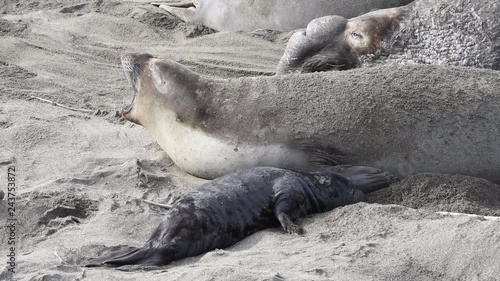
(126, 255)
(290, 203)
(367, 179)
(288, 225)
(118, 252)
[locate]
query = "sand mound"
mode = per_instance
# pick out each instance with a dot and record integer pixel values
(448, 193)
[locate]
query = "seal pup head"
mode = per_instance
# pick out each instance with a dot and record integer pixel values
(335, 43)
(332, 190)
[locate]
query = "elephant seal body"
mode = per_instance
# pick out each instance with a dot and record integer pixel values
(403, 119)
(447, 32)
(224, 211)
(281, 15)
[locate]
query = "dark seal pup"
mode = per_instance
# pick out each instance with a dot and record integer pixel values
(224, 211)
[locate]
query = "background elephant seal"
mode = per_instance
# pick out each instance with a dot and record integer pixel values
(282, 15)
(447, 32)
(403, 119)
(224, 211)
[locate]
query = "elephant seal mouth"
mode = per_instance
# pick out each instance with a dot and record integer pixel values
(129, 107)
(133, 66)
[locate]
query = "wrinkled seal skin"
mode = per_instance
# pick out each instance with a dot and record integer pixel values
(224, 211)
(281, 15)
(446, 32)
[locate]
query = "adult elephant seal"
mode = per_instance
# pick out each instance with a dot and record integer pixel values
(281, 15)
(447, 32)
(222, 212)
(404, 119)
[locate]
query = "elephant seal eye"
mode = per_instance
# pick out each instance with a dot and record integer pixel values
(356, 35)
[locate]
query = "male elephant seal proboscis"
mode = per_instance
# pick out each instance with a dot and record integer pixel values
(447, 32)
(224, 211)
(400, 119)
(281, 15)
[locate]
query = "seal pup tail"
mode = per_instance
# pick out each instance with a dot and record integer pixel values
(126, 255)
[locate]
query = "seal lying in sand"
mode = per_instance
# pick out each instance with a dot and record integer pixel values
(281, 15)
(403, 119)
(222, 212)
(447, 32)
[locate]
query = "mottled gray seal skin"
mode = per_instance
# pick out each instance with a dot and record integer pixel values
(401, 119)
(446, 32)
(281, 15)
(224, 211)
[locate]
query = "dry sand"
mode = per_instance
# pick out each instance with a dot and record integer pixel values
(81, 176)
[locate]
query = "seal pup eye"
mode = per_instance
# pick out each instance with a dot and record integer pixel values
(356, 35)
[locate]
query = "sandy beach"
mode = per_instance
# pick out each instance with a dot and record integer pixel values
(82, 171)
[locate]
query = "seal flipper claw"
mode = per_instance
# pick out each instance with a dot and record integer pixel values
(288, 225)
(288, 200)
